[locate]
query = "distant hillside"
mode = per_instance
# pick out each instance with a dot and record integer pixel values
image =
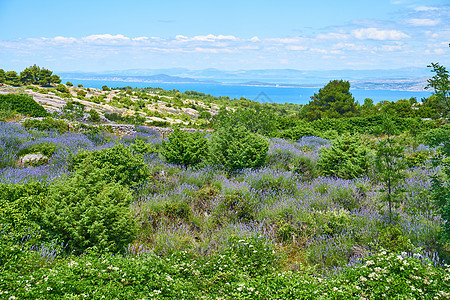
(410, 79)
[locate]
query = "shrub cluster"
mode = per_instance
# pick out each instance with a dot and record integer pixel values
(23, 104)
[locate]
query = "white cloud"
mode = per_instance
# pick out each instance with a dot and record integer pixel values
(105, 37)
(391, 48)
(255, 39)
(333, 36)
(141, 38)
(316, 50)
(425, 8)
(212, 50)
(349, 46)
(296, 48)
(381, 35)
(423, 22)
(292, 40)
(207, 38)
(62, 39)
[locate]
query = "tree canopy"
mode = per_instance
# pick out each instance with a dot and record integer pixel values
(333, 101)
(440, 83)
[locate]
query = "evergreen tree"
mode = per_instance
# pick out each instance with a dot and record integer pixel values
(236, 148)
(333, 101)
(440, 83)
(390, 164)
(184, 148)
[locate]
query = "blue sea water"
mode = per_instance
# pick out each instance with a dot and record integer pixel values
(297, 95)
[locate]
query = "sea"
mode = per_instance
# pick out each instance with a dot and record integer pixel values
(264, 94)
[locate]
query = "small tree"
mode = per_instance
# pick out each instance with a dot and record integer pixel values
(185, 148)
(94, 116)
(440, 83)
(389, 164)
(236, 148)
(12, 78)
(2, 76)
(346, 158)
(333, 101)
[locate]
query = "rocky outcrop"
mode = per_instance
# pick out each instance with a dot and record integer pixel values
(33, 159)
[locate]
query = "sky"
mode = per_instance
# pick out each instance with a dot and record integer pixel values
(97, 35)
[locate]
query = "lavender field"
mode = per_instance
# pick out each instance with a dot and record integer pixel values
(324, 226)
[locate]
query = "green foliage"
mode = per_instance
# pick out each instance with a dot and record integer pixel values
(94, 116)
(437, 136)
(184, 148)
(68, 83)
(119, 163)
(81, 93)
(48, 149)
(18, 206)
(347, 158)
(62, 88)
(2, 76)
(88, 212)
(295, 133)
(258, 119)
(440, 183)
(47, 124)
(392, 238)
(440, 83)
(73, 110)
(390, 165)
(11, 78)
(37, 75)
(105, 88)
(333, 101)
(23, 104)
(235, 148)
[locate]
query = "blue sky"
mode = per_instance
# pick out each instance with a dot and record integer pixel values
(100, 35)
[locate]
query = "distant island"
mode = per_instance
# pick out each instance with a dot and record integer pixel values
(394, 80)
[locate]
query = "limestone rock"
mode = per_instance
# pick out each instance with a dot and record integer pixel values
(33, 159)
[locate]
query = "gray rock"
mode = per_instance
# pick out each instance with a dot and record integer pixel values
(33, 159)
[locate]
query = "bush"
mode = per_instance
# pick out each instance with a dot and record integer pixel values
(346, 158)
(62, 88)
(47, 124)
(23, 104)
(88, 212)
(48, 149)
(296, 133)
(185, 148)
(235, 148)
(119, 163)
(18, 203)
(94, 116)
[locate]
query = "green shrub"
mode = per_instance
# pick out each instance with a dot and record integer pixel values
(73, 110)
(437, 136)
(392, 238)
(48, 149)
(119, 163)
(62, 88)
(235, 149)
(94, 116)
(346, 158)
(18, 204)
(47, 124)
(184, 148)
(23, 104)
(87, 212)
(295, 133)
